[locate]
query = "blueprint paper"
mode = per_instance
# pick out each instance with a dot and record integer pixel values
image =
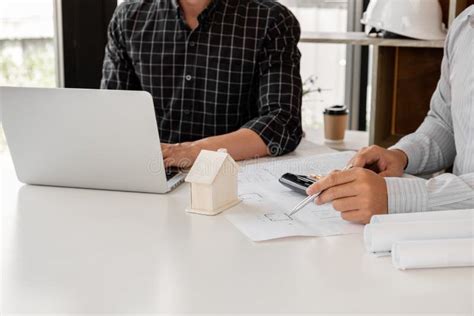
(467, 214)
(262, 213)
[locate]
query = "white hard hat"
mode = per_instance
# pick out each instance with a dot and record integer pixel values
(419, 19)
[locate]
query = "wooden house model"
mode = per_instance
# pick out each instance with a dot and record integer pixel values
(213, 180)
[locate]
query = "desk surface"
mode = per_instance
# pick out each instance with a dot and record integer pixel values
(85, 251)
(353, 140)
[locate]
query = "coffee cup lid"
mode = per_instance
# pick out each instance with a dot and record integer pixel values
(336, 110)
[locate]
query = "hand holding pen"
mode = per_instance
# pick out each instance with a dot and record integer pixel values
(356, 192)
(310, 198)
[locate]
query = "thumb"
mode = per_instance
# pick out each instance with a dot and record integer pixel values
(317, 186)
(358, 161)
(313, 189)
(368, 157)
(364, 159)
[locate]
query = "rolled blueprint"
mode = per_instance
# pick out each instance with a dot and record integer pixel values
(380, 237)
(433, 253)
(424, 216)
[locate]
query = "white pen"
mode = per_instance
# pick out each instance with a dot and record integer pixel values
(310, 198)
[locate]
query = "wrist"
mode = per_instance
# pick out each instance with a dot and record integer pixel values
(203, 143)
(401, 157)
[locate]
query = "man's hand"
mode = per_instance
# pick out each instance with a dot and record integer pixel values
(387, 163)
(180, 155)
(357, 193)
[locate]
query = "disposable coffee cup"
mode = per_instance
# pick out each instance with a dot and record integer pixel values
(336, 118)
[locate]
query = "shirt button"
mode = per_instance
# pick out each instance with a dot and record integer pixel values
(192, 44)
(187, 112)
(188, 77)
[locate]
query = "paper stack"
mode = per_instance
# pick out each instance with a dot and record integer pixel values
(423, 240)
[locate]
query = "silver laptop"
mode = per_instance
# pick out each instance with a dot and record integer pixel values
(97, 139)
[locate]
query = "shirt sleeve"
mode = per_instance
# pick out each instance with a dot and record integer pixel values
(118, 71)
(280, 86)
(443, 192)
(432, 148)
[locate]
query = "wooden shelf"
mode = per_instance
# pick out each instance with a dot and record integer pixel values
(404, 74)
(360, 38)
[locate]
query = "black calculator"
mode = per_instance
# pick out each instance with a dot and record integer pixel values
(297, 183)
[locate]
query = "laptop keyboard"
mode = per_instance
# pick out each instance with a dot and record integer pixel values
(171, 172)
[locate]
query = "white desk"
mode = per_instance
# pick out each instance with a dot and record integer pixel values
(85, 251)
(353, 140)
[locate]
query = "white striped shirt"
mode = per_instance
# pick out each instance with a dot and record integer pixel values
(446, 137)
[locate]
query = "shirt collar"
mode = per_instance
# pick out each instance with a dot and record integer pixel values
(207, 13)
(204, 14)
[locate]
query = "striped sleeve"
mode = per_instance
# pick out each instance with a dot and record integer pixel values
(432, 147)
(446, 191)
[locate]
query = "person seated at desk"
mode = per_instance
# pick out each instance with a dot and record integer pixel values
(444, 139)
(222, 73)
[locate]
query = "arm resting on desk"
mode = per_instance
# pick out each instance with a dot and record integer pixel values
(443, 192)
(241, 144)
(279, 86)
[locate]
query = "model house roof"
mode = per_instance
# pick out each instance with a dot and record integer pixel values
(208, 165)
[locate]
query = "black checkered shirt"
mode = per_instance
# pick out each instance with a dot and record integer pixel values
(238, 69)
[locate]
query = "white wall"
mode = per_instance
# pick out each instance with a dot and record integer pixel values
(326, 61)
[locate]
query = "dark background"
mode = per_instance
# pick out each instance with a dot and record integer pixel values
(85, 25)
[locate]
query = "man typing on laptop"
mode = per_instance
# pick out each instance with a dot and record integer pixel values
(223, 74)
